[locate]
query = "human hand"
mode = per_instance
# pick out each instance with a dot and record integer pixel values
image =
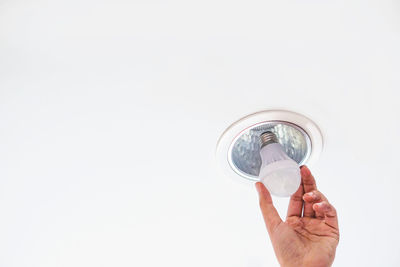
(310, 234)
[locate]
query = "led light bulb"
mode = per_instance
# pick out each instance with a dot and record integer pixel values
(279, 173)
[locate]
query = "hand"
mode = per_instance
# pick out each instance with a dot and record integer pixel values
(310, 234)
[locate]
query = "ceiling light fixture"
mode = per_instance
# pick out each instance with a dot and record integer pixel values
(296, 136)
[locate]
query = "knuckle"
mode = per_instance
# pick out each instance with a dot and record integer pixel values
(328, 207)
(320, 196)
(297, 198)
(332, 210)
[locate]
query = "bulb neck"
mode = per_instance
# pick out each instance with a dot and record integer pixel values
(268, 138)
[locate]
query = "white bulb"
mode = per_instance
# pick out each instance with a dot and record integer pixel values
(279, 173)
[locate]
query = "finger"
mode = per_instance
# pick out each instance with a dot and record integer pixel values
(271, 216)
(309, 185)
(327, 212)
(314, 197)
(296, 203)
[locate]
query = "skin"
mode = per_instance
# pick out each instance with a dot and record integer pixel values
(310, 234)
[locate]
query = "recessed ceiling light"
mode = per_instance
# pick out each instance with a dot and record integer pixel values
(238, 149)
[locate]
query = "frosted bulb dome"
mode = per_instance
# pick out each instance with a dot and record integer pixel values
(279, 173)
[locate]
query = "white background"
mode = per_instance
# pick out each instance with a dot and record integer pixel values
(110, 112)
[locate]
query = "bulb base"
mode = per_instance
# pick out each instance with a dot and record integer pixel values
(267, 138)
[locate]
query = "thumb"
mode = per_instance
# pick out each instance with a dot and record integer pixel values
(270, 214)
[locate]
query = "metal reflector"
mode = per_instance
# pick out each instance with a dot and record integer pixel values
(244, 154)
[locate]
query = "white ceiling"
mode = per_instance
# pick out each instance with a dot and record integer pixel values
(110, 112)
